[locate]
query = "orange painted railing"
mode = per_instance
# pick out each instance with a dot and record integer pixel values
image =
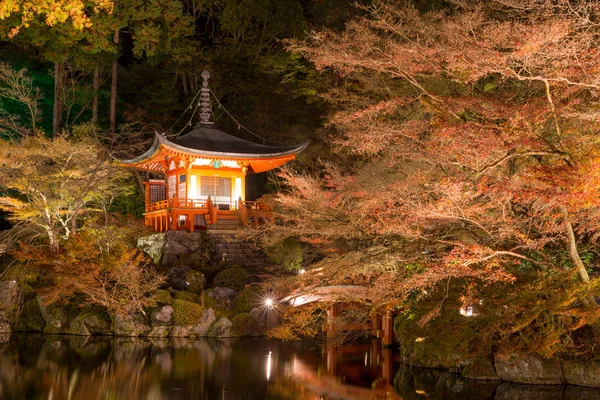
(177, 203)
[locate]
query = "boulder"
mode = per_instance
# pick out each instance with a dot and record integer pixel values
(30, 319)
(264, 319)
(223, 296)
(481, 369)
(78, 327)
(528, 368)
(202, 329)
(180, 331)
(153, 245)
(159, 331)
(131, 325)
(222, 328)
(582, 373)
(55, 317)
(96, 323)
(10, 300)
(195, 281)
(162, 316)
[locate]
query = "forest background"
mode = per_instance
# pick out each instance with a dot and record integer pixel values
(454, 166)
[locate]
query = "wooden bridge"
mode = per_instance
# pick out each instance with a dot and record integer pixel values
(381, 326)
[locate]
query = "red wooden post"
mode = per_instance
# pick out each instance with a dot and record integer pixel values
(331, 314)
(388, 327)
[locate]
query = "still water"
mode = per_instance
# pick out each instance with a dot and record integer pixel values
(71, 367)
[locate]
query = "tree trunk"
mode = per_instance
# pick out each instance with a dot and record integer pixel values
(582, 273)
(59, 102)
(185, 86)
(96, 89)
(113, 88)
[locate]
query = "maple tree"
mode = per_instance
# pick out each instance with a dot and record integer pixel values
(468, 151)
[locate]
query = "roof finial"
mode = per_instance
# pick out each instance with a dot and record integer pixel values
(204, 102)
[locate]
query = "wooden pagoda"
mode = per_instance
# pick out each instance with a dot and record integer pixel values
(204, 174)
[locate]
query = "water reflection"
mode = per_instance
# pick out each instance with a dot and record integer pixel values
(73, 367)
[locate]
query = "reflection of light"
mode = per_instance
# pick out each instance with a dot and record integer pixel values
(421, 392)
(302, 271)
(366, 355)
(420, 339)
(269, 366)
(298, 301)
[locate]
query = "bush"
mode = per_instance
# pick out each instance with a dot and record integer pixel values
(242, 324)
(163, 297)
(195, 281)
(187, 296)
(231, 277)
(186, 313)
(287, 253)
(246, 300)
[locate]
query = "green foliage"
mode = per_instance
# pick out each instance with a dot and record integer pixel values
(187, 296)
(287, 253)
(186, 312)
(163, 297)
(195, 281)
(242, 324)
(246, 299)
(233, 277)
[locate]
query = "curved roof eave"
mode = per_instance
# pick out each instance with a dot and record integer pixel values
(160, 140)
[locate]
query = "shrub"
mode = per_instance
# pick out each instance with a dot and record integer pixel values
(242, 324)
(195, 281)
(246, 300)
(287, 253)
(187, 296)
(231, 277)
(186, 313)
(163, 297)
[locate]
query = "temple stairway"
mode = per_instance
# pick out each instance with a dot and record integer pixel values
(234, 250)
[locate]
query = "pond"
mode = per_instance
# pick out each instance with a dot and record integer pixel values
(35, 366)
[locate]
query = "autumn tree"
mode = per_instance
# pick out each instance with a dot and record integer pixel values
(469, 153)
(50, 184)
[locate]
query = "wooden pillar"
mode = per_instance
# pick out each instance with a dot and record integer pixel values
(387, 366)
(160, 223)
(332, 313)
(331, 355)
(388, 329)
(147, 186)
(174, 221)
(375, 325)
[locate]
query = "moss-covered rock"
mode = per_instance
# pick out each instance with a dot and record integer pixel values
(186, 313)
(30, 319)
(287, 253)
(234, 277)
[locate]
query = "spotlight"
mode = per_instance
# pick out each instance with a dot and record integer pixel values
(269, 302)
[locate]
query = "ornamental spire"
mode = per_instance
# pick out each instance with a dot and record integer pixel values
(204, 102)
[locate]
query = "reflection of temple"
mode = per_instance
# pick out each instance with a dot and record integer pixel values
(204, 175)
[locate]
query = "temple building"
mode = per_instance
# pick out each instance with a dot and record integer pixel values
(204, 174)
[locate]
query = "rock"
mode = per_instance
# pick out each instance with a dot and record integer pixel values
(202, 329)
(264, 319)
(96, 323)
(222, 328)
(159, 331)
(153, 245)
(163, 316)
(30, 319)
(56, 317)
(131, 325)
(180, 331)
(582, 373)
(223, 296)
(480, 368)
(177, 277)
(528, 368)
(511, 391)
(78, 327)
(10, 300)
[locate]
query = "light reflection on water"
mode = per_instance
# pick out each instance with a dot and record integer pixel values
(48, 367)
